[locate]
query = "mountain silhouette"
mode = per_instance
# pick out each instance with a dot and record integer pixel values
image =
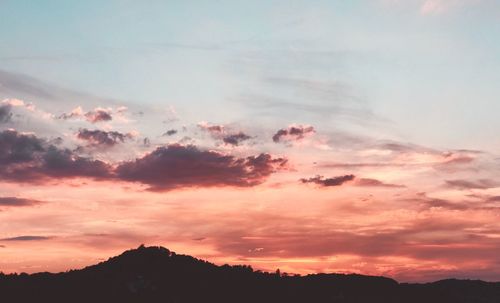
(156, 274)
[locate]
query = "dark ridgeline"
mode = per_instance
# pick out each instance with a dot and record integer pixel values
(155, 274)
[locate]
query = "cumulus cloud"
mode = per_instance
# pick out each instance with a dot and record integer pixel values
(221, 132)
(22, 111)
(100, 138)
(96, 115)
(293, 133)
(75, 113)
(178, 166)
(15, 201)
(17, 148)
(18, 103)
(63, 163)
(235, 139)
(6, 108)
(27, 158)
(170, 132)
(322, 181)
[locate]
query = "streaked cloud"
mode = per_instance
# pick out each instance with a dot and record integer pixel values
(326, 182)
(368, 182)
(469, 184)
(18, 202)
(27, 238)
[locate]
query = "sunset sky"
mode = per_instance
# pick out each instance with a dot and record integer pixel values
(309, 136)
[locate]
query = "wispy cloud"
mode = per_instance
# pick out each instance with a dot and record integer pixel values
(27, 238)
(469, 184)
(327, 182)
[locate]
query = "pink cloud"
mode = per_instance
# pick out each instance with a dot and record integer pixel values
(436, 7)
(96, 115)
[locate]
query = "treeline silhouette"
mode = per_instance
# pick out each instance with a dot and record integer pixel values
(155, 274)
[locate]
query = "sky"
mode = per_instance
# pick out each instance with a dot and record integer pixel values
(309, 136)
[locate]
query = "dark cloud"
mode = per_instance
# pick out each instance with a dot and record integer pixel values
(26, 158)
(27, 238)
(293, 133)
(98, 115)
(62, 163)
(170, 132)
(100, 138)
(5, 113)
(236, 139)
(465, 184)
(335, 181)
(221, 133)
(17, 148)
(74, 114)
(14, 201)
(178, 166)
(375, 183)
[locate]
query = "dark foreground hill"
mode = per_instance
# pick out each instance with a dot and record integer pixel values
(155, 274)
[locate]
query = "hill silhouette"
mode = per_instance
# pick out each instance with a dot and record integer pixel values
(155, 274)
